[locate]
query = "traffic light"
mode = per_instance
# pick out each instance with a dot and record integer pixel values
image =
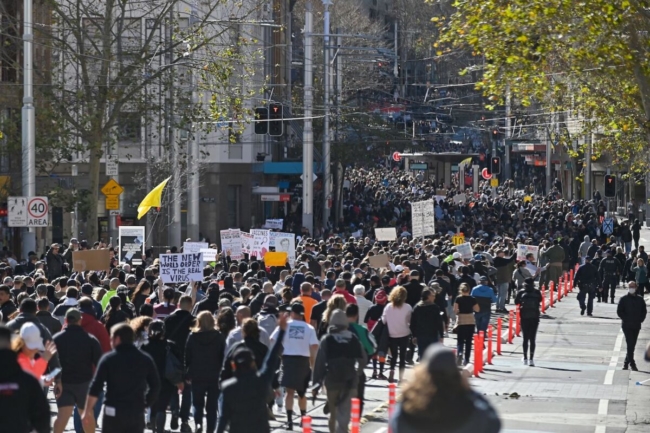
(495, 134)
(495, 165)
(610, 186)
(261, 120)
(276, 127)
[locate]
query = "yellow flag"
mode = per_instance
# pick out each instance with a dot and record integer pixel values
(466, 161)
(153, 199)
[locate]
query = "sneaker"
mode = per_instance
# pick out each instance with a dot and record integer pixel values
(185, 428)
(590, 314)
(626, 367)
(382, 376)
(524, 360)
(633, 367)
(582, 311)
(531, 363)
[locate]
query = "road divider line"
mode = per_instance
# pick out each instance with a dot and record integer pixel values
(609, 376)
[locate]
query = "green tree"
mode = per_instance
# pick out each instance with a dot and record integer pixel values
(587, 59)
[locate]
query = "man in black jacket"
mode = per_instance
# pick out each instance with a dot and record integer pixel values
(7, 306)
(586, 278)
(632, 311)
(210, 302)
(426, 323)
(177, 328)
(529, 300)
(610, 268)
(23, 405)
(79, 354)
(127, 395)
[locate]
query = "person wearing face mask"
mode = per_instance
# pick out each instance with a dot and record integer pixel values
(632, 311)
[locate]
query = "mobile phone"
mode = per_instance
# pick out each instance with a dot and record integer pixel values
(49, 377)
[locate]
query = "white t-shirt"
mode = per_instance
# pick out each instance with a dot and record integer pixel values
(297, 339)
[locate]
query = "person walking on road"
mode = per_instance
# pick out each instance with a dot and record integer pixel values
(529, 300)
(505, 268)
(465, 308)
(397, 317)
(586, 278)
(485, 297)
(609, 270)
(632, 311)
(640, 276)
(338, 354)
(438, 398)
(127, 395)
(636, 233)
(79, 354)
(426, 323)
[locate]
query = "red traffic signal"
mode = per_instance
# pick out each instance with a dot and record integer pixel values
(495, 165)
(610, 186)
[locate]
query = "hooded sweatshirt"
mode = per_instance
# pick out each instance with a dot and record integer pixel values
(204, 354)
(298, 279)
(584, 247)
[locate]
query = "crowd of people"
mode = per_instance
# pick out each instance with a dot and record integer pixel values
(249, 342)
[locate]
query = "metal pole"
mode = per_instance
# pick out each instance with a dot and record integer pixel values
(327, 190)
(75, 219)
(508, 135)
(174, 232)
(494, 176)
(28, 123)
(193, 173)
(588, 192)
(549, 160)
(308, 134)
(395, 66)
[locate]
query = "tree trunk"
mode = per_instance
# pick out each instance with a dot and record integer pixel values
(94, 156)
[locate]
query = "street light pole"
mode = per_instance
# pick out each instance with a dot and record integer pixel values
(193, 172)
(28, 123)
(327, 190)
(308, 133)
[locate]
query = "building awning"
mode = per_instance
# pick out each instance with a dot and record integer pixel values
(287, 168)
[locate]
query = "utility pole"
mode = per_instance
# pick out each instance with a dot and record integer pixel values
(174, 232)
(549, 160)
(327, 189)
(507, 135)
(28, 123)
(193, 171)
(588, 191)
(308, 133)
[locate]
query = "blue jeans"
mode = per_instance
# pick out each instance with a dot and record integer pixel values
(78, 428)
(628, 247)
(482, 320)
(502, 295)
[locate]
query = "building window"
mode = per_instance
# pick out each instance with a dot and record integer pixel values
(233, 205)
(235, 151)
(129, 127)
(131, 37)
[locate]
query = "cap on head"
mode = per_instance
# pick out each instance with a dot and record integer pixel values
(483, 279)
(298, 308)
(72, 314)
(31, 335)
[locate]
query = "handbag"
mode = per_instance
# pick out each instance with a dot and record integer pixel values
(173, 368)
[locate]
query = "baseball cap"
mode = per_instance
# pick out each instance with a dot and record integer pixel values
(478, 257)
(73, 314)
(74, 241)
(457, 256)
(271, 301)
(399, 268)
(483, 278)
(298, 308)
(380, 297)
(358, 271)
(385, 279)
(8, 280)
(31, 335)
(590, 258)
(243, 356)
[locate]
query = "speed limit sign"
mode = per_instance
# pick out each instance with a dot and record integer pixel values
(28, 212)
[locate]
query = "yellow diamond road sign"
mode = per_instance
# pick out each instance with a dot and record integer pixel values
(112, 188)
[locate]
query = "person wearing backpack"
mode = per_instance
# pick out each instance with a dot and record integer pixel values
(335, 366)
(267, 318)
(529, 300)
(367, 342)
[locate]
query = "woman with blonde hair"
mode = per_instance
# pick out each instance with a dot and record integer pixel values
(439, 398)
(140, 326)
(397, 317)
(336, 302)
(204, 355)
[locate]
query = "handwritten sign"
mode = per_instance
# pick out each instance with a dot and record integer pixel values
(274, 224)
(524, 250)
(231, 243)
(465, 250)
(284, 242)
(181, 268)
(246, 243)
(261, 241)
(422, 218)
(209, 254)
(386, 234)
(91, 260)
(194, 247)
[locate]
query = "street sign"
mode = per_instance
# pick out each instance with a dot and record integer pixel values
(112, 188)
(314, 177)
(494, 182)
(28, 212)
(112, 168)
(397, 157)
(458, 218)
(114, 213)
(486, 175)
(608, 226)
(112, 202)
(458, 239)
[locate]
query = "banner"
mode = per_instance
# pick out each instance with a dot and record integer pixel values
(422, 218)
(276, 224)
(460, 198)
(209, 254)
(261, 240)
(91, 260)
(379, 261)
(465, 250)
(181, 268)
(523, 250)
(246, 243)
(284, 242)
(386, 234)
(231, 243)
(131, 243)
(357, 234)
(275, 259)
(194, 247)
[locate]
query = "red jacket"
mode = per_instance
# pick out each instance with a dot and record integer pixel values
(348, 297)
(95, 328)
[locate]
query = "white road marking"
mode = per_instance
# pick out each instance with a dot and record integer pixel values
(609, 376)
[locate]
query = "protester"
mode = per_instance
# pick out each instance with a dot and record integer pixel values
(465, 308)
(529, 300)
(632, 311)
(485, 297)
(397, 317)
(426, 323)
(586, 278)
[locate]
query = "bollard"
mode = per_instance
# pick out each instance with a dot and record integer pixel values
(571, 281)
(518, 328)
(559, 289)
(566, 285)
(355, 416)
(306, 424)
(551, 286)
(499, 330)
(479, 351)
(511, 322)
(489, 345)
(391, 401)
(476, 356)
(543, 304)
